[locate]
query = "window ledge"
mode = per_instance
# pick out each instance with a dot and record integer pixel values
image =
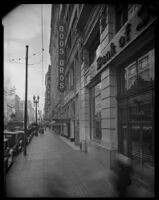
(97, 144)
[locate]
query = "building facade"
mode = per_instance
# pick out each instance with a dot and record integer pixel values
(17, 108)
(108, 99)
(47, 105)
(30, 112)
(9, 103)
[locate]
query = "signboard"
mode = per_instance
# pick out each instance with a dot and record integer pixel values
(129, 32)
(61, 61)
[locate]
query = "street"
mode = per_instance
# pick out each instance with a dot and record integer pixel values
(54, 169)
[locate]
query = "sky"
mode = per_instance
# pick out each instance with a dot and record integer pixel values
(23, 26)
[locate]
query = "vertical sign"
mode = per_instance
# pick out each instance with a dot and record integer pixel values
(61, 71)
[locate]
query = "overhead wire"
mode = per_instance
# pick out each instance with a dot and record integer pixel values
(28, 63)
(34, 54)
(15, 60)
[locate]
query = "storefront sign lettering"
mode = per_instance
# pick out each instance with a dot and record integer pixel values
(122, 42)
(142, 19)
(61, 53)
(102, 60)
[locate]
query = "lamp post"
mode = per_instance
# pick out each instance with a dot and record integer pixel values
(36, 101)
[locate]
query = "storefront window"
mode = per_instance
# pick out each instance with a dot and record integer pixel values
(142, 70)
(130, 75)
(96, 112)
(135, 111)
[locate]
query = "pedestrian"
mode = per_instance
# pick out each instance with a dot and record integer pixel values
(124, 171)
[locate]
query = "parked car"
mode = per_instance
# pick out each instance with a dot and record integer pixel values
(29, 135)
(8, 154)
(15, 139)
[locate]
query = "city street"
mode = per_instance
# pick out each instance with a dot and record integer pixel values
(52, 168)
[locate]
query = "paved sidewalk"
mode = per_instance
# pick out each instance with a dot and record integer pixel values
(71, 144)
(53, 169)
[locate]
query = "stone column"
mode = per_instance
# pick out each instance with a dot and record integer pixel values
(84, 105)
(109, 115)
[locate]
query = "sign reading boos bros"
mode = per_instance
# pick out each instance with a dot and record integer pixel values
(61, 54)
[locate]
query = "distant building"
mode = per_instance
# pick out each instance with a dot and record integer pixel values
(31, 111)
(9, 103)
(5, 106)
(47, 105)
(17, 108)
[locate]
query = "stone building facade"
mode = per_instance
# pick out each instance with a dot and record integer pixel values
(109, 82)
(55, 95)
(47, 106)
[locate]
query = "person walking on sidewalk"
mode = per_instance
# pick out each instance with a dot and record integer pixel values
(124, 171)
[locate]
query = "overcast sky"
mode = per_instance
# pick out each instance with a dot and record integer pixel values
(22, 26)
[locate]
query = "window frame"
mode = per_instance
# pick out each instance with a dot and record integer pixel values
(122, 10)
(125, 76)
(93, 48)
(93, 127)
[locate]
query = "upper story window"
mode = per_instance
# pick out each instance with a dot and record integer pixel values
(49, 78)
(131, 9)
(121, 15)
(72, 78)
(71, 8)
(69, 42)
(103, 18)
(93, 49)
(77, 68)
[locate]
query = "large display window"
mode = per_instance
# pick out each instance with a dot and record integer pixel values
(95, 93)
(135, 110)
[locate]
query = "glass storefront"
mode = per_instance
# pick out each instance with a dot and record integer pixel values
(135, 111)
(95, 94)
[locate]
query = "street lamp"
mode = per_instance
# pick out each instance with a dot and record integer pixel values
(36, 101)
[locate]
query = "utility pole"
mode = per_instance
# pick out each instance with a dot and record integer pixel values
(26, 88)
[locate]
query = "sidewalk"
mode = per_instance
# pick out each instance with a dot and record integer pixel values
(71, 144)
(52, 168)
